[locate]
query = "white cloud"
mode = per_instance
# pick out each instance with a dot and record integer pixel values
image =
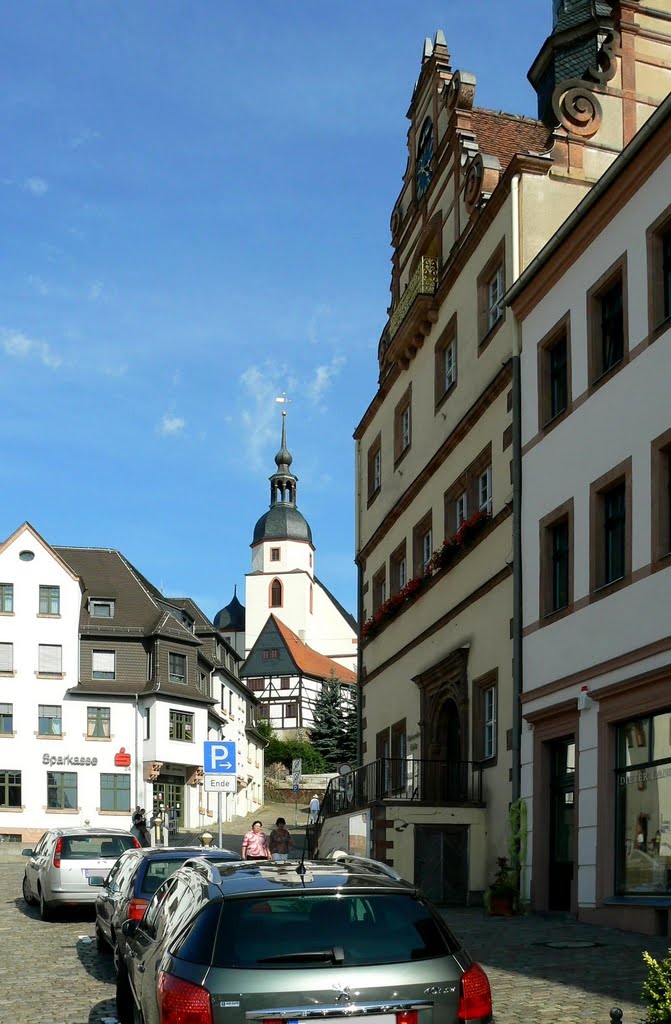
(20, 346)
(36, 186)
(171, 425)
(259, 417)
(323, 378)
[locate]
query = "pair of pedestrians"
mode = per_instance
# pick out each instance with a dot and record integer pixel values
(277, 846)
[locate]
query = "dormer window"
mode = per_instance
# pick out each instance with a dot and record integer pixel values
(424, 169)
(101, 608)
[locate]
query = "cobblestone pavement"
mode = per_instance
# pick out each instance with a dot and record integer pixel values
(51, 972)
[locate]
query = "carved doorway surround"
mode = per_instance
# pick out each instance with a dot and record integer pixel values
(443, 722)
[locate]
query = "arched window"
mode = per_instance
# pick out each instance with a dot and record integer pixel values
(311, 605)
(424, 171)
(276, 594)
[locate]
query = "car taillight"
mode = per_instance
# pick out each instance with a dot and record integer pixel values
(137, 908)
(58, 849)
(475, 996)
(407, 1017)
(180, 1002)
(136, 843)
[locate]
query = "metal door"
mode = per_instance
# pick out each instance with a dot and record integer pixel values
(441, 863)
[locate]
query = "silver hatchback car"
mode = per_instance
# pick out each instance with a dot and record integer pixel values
(69, 865)
(345, 942)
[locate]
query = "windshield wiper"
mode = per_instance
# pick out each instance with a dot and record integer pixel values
(335, 955)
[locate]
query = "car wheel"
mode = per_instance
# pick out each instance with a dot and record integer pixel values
(46, 912)
(27, 894)
(125, 1009)
(101, 945)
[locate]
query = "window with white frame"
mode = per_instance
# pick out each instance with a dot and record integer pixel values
(98, 723)
(489, 739)
(101, 608)
(461, 509)
(405, 428)
(427, 547)
(177, 668)
(103, 665)
(49, 720)
(50, 600)
(449, 365)
(6, 719)
(495, 290)
(485, 491)
(50, 660)
(6, 657)
(6, 598)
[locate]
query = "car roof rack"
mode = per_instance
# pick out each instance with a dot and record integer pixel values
(342, 857)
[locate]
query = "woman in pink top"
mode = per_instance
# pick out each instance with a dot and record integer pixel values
(254, 844)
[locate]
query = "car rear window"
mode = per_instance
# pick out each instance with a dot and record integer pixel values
(157, 872)
(95, 847)
(314, 930)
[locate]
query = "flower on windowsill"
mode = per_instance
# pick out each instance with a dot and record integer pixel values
(471, 526)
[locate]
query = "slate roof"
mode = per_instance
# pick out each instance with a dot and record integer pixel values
(308, 661)
(282, 522)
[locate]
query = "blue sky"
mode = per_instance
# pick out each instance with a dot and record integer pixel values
(195, 199)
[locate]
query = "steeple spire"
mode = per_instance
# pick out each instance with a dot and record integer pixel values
(283, 482)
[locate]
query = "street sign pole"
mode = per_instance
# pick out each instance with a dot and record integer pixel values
(219, 837)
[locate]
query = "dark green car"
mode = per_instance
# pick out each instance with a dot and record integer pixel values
(239, 943)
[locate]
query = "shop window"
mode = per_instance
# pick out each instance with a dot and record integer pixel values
(643, 793)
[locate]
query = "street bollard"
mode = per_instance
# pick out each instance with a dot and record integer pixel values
(616, 1015)
(206, 839)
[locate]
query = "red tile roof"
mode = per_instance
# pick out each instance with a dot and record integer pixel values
(310, 661)
(502, 135)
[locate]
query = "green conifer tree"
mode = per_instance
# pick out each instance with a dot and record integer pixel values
(335, 725)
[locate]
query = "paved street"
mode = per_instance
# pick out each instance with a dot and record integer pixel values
(52, 973)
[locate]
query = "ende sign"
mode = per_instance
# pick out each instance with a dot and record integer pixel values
(53, 759)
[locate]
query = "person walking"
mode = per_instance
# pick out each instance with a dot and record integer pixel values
(280, 842)
(255, 844)
(314, 808)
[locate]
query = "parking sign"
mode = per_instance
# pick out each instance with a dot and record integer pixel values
(219, 758)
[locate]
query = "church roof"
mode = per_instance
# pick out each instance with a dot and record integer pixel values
(290, 656)
(232, 616)
(282, 522)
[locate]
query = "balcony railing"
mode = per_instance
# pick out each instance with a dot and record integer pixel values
(422, 282)
(402, 780)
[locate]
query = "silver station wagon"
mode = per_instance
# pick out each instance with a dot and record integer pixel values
(269, 943)
(69, 865)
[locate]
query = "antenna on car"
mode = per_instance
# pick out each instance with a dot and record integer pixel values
(301, 869)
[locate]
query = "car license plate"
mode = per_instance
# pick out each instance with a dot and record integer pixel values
(95, 876)
(369, 1018)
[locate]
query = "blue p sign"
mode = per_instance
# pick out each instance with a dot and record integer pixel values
(219, 758)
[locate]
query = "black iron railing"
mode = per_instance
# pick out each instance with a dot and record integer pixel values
(404, 779)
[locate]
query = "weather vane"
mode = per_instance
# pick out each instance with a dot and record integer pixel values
(283, 400)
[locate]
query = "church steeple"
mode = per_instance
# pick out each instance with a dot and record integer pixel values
(283, 482)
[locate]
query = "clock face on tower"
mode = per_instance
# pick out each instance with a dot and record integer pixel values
(424, 171)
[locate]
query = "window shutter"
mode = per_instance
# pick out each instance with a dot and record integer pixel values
(50, 659)
(103, 661)
(6, 657)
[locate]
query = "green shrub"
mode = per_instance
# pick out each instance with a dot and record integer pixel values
(285, 751)
(656, 991)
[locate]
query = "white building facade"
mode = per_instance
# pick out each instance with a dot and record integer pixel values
(595, 317)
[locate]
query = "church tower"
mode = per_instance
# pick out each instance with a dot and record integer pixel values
(282, 580)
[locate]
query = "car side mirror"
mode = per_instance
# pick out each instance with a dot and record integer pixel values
(27, 853)
(128, 928)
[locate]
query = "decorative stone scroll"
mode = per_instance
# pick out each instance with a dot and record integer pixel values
(577, 108)
(482, 178)
(460, 92)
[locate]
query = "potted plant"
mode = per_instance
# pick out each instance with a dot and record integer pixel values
(502, 896)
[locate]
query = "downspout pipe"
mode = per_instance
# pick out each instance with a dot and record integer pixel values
(359, 606)
(517, 509)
